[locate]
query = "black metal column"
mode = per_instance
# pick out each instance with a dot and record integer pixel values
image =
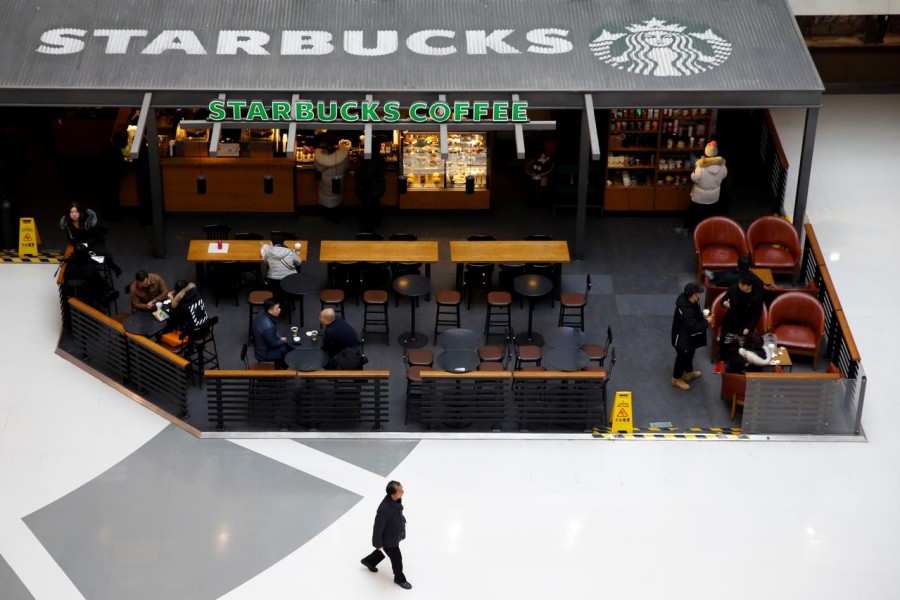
(584, 156)
(806, 154)
(156, 195)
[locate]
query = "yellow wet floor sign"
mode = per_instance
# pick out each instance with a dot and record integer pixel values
(621, 419)
(28, 237)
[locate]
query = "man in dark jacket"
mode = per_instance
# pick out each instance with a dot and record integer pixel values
(389, 530)
(688, 333)
(339, 334)
(267, 344)
(744, 302)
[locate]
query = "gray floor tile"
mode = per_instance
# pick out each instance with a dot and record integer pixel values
(238, 513)
(645, 304)
(600, 284)
(11, 587)
(378, 456)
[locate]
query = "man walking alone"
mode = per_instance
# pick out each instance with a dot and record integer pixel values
(389, 529)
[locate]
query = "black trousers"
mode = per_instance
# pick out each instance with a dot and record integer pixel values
(396, 561)
(684, 363)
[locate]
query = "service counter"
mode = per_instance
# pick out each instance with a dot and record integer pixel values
(232, 184)
(308, 188)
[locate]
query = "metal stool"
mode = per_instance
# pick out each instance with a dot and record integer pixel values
(447, 314)
(376, 313)
(255, 301)
(498, 313)
(334, 299)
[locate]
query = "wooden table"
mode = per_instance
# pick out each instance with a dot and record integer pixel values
(784, 359)
(508, 251)
(238, 251)
(332, 251)
(765, 275)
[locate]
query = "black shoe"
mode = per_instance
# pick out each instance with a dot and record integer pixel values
(369, 567)
(405, 585)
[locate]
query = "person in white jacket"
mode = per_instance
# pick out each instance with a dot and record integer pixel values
(753, 356)
(708, 175)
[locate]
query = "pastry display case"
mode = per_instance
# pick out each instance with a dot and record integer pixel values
(432, 182)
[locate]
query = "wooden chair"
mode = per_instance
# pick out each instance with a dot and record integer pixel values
(572, 305)
(596, 352)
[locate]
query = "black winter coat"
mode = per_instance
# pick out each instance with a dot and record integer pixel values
(390, 524)
(745, 311)
(688, 325)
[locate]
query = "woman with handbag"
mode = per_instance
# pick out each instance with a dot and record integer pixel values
(331, 162)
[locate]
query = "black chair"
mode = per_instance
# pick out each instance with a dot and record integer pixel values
(596, 352)
(217, 232)
(478, 275)
(246, 235)
(288, 235)
(225, 278)
(257, 366)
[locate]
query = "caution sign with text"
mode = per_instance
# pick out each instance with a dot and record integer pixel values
(621, 419)
(28, 237)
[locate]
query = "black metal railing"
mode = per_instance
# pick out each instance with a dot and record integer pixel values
(98, 340)
(292, 399)
(773, 161)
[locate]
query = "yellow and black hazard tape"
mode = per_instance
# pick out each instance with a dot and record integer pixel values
(44, 258)
(674, 433)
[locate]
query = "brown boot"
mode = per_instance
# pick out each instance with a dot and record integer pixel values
(692, 375)
(680, 384)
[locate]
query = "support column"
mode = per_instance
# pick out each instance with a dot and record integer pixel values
(156, 195)
(805, 168)
(584, 149)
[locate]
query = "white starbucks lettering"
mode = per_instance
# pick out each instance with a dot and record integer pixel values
(479, 42)
(117, 40)
(184, 40)
(549, 41)
(386, 42)
(419, 42)
(295, 43)
(62, 41)
(251, 42)
(655, 47)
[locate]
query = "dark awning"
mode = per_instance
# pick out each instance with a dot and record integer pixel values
(551, 52)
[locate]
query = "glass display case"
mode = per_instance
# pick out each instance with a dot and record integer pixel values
(424, 169)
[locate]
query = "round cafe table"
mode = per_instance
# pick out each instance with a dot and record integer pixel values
(297, 285)
(531, 286)
(144, 323)
(565, 359)
(412, 286)
(459, 339)
(565, 337)
(457, 361)
(306, 358)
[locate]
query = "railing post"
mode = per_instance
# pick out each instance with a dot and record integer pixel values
(377, 426)
(220, 413)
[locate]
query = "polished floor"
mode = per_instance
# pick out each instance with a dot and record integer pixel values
(100, 499)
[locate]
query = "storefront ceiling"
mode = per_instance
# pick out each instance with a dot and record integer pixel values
(551, 52)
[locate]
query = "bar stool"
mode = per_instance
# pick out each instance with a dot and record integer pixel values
(376, 314)
(596, 352)
(447, 314)
(333, 299)
(255, 301)
(419, 357)
(498, 312)
(571, 307)
(202, 350)
(528, 354)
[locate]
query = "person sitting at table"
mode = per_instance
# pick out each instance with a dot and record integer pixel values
(338, 334)
(268, 346)
(83, 228)
(146, 290)
(82, 274)
(188, 312)
(753, 356)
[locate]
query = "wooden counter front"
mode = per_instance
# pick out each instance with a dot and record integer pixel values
(232, 184)
(308, 188)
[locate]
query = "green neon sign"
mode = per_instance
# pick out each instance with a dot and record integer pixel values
(368, 111)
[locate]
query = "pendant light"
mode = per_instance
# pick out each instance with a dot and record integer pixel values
(201, 178)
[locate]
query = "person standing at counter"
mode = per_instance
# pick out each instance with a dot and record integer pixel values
(83, 228)
(331, 162)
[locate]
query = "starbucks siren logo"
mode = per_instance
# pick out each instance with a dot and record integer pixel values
(663, 49)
